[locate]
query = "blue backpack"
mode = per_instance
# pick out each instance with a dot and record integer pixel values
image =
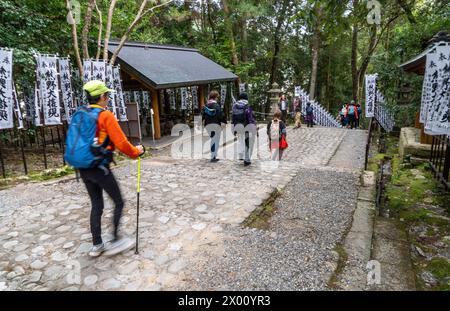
(351, 110)
(82, 151)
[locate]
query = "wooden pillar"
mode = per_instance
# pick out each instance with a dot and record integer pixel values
(155, 106)
(201, 94)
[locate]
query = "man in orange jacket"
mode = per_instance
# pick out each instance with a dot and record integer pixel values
(96, 180)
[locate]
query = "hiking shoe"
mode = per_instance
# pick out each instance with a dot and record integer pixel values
(118, 246)
(247, 163)
(214, 160)
(97, 250)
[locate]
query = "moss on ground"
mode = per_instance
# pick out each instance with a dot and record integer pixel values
(260, 218)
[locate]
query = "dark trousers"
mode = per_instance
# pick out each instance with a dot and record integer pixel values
(352, 120)
(96, 181)
(283, 116)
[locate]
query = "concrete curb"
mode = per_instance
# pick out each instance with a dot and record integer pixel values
(358, 241)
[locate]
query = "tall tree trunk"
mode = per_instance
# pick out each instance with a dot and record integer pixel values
(108, 28)
(277, 42)
(210, 20)
(188, 22)
(230, 33)
(366, 61)
(315, 49)
(100, 30)
(87, 26)
(244, 34)
(76, 47)
(354, 61)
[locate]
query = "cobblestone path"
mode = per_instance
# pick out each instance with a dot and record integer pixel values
(190, 210)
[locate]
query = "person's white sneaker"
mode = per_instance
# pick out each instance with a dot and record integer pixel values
(119, 246)
(97, 250)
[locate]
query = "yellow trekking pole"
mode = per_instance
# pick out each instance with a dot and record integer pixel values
(138, 194)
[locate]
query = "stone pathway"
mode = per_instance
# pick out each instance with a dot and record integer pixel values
(187, 208)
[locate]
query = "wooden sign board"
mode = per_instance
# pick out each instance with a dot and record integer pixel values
(132, 128)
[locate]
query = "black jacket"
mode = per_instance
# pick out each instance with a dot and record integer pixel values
(219, 116)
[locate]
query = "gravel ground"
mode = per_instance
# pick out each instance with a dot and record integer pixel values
(296, 253)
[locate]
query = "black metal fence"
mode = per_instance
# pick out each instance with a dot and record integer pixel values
(440, 159)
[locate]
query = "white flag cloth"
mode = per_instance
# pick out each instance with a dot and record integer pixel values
(87, 70)
(66, 89)
(438, 117)
(6, 96)
(109, 81)
(172, 98)
(99, 70)
(48, 81)
(17, 109)
(184, 98)
(223, 94)
(194, 91)
(37, 107)
(120, 95)
(370, 95)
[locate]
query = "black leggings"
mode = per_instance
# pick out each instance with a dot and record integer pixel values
(96, 181)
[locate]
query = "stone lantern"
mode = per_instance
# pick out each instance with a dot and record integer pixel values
(274, 94)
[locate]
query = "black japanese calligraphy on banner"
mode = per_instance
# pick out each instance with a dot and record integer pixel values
(66, 89)
(194, 93)
(6, 91)
(440, 124)
(146, 102)
(99, 70)
(172, 99)
(371, 88)
(120, 95)
(109, 81)
(17, 110)
(48, 81)
(137, 98)
(241, 87)
(223, 94)
(127, 97)
(437, 99)
(184, 98)
(426, 88)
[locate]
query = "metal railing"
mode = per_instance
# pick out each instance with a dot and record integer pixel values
(440, 159)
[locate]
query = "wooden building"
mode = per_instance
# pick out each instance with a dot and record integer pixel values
(159, 68)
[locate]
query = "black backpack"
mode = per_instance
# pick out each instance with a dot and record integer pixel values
(240, 115)
(211, 115)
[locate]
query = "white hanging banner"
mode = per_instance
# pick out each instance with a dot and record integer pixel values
(87, 70)
(66, 89)
(172, 98)
(194, 92)
(109, 81)
(48, 81)
(17, 109)
(297, 91)
(99, 70)
(427, 87)
(137, 97)
(37, 107)
(6, 96)
(434, 73)
(120, 95)
(146, 101)
(371, 87)
(127, 97)
(242, 88)
(223, 94)
(440, 97)
(184, 98)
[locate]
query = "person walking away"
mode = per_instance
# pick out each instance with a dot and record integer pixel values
(283, 106)
(94, 134)
(213, 116)
(359, 110)
(276, 131)
(309, 115)
(344, 116)
(298, 114)
(244, 126)
(352, 113)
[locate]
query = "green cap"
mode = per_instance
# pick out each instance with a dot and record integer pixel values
(96, 88)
